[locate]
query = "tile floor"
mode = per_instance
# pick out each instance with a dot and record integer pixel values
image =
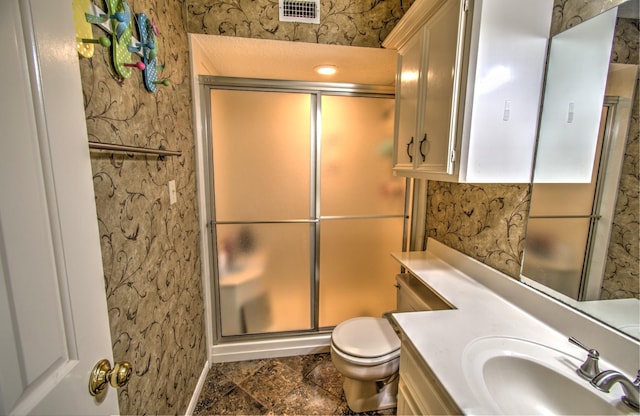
(302, 385)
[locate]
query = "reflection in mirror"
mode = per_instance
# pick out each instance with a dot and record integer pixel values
(583, 229)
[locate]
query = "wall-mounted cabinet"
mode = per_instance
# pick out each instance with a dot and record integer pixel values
(468, 88)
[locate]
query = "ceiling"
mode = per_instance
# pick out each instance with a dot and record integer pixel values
(275, 59)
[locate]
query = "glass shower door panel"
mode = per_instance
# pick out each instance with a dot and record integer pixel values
(554, 253)
(357, 274)
(261, 155)
(357, 158)
(264, 277)
(261, 144)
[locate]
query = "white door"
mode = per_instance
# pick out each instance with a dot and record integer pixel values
(53, 312)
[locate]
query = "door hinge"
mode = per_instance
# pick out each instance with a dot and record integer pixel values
(453, 156)
(465, 6)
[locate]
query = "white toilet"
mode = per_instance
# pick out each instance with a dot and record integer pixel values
(366, 351)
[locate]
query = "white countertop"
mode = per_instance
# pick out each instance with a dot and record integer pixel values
(441, 337)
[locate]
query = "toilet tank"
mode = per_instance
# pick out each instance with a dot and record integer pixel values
(415, 295)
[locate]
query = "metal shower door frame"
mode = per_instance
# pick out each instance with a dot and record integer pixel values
(316, 90)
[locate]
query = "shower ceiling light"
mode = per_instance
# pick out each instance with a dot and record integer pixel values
(326, 69)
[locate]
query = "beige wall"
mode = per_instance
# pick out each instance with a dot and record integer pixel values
(568, 13)
(150, 249)
(484, 221)
(342, 22)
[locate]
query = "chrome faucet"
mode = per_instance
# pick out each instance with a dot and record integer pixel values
(589, 368)
(606, 379)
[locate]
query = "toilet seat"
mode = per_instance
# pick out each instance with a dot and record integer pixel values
(366, 341)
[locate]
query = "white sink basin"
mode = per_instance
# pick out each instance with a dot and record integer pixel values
(515, 376)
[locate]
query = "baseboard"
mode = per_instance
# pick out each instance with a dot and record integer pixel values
(196, 392)
(273, 348)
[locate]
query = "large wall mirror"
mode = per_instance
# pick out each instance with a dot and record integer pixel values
(583, 229)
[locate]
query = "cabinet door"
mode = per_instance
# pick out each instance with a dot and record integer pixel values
(410, 57)
(506, 81)
(406, 403)
(435, 146)
(421, 390)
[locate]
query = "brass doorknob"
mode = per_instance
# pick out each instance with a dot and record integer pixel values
(102, 373)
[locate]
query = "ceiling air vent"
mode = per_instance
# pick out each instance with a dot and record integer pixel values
(303, 11)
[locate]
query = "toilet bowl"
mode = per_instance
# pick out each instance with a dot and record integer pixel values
(366, 351)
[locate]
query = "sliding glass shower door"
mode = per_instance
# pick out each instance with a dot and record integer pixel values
(262, 174)
(362, 207)
(304, 207)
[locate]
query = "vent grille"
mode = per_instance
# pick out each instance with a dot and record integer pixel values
(303, 11)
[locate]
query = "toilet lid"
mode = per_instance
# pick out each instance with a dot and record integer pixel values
(365, 337)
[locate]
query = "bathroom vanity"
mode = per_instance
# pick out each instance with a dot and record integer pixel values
(503, 348)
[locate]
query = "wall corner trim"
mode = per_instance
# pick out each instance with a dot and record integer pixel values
(196, 392)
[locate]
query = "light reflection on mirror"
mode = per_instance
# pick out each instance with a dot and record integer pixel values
(582, 232)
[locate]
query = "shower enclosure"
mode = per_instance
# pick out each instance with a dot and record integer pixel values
(303, 207)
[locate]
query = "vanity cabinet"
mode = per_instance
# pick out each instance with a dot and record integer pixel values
(468, 88)
(419, 391)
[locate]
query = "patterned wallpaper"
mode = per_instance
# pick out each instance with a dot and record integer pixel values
(150, 249)
(342, 22)
(486, 222)
(622, 273)
(568, 13)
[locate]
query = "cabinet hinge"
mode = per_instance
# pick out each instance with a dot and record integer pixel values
(453, 156)
(465, 6)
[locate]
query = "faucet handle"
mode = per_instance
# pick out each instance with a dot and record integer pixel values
(589, 368)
